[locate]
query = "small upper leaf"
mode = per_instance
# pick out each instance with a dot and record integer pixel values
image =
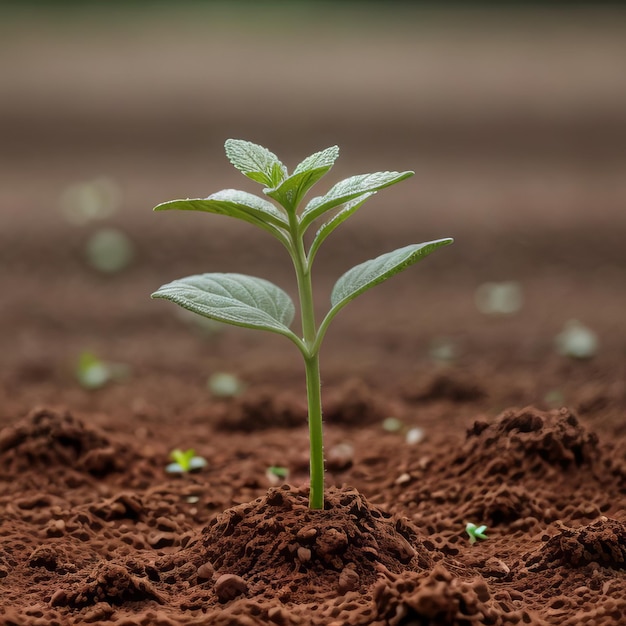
(234, 299)
(347, 190)
(291, 190)
(366, 275)
(256, 162)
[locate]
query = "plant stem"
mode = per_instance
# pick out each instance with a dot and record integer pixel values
(314, 398)
(312, 367)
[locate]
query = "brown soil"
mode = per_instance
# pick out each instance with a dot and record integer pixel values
(93, 530)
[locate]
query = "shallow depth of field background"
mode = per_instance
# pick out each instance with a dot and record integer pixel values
(514, 121)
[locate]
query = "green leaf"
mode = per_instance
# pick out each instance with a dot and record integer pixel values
(239, 204)
(256, 162)
(291, 191)
(346, 190)
(233, 299)
(366, 275)
(335, 221)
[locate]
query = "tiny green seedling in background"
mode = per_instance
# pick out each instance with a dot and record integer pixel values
(185, 461)
(475, 532)
(94, 373)
(254, 302)
(277, 474)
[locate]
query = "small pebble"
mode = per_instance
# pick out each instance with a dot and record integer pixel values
(304, 554)
(206, 571)
(403, 479)
(348, 580)
(577, 341)
(414, 435)
(229, 586)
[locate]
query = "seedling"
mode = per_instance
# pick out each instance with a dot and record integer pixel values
(93, 373)
(277, 474)
(475, 532)
(185, 461)
(253, 302)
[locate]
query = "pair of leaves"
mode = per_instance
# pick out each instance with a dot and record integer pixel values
(263, 166)
(257, 303)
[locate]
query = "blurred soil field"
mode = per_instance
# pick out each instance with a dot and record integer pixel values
(514, 122)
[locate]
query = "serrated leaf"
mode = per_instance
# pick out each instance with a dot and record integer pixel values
(255, 161)
(291, 191)
(239, 204)
(346, 190)
(329, 226)
(366, 275)
(233, 299)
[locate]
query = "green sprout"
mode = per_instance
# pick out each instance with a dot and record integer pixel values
(94, 373)
(475, 532)
(185, 461)
(277, 474)
(253, 302)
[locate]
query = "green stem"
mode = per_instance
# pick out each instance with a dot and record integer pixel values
(312, 367)
(314, 397)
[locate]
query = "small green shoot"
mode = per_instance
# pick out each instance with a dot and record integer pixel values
(94, 373)
(475, 532)
(185, 461)
(254, 302)
(276, 474)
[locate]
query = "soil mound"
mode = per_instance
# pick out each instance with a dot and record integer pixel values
(49, 438)
(524, 441)
(521, 469)
(602, 542)
(277, 547)
(439, 598)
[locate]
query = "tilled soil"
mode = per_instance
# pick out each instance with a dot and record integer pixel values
(512, 435)
(93, 529)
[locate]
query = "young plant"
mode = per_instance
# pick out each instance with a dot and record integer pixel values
(475, 532)
(185, 461)
(256, 303)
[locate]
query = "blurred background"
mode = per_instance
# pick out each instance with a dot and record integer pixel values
(512, 115)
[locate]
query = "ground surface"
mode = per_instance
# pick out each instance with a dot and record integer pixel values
(516, 130)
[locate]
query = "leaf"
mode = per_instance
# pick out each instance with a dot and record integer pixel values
(233, 299)
(347, 190)
(335, 221)
(291, 191)
(366, 275)
(239, 204)
(255, 161)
